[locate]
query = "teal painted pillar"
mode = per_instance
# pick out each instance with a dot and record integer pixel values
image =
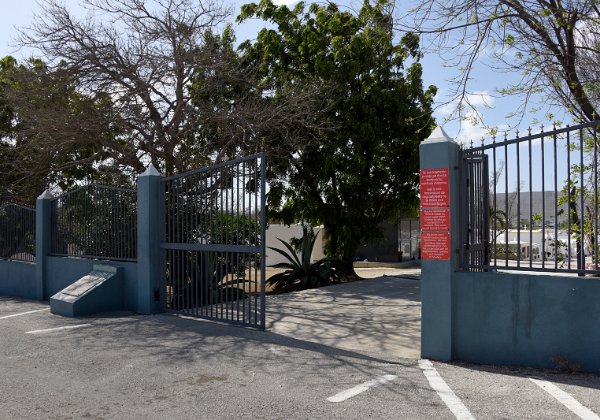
(438, 152)
(149, 265)
(43, 233)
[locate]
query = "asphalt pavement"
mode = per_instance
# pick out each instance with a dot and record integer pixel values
(123, 365)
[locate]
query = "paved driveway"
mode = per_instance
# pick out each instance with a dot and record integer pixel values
(380, 316)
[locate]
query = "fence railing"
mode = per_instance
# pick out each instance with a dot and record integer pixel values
(95, 221)
(543, 201)
(17, 233)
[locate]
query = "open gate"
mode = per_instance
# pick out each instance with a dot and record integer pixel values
(474, 211)
(213, 243)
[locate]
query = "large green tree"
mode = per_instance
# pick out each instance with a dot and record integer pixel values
(363, 172)
(237, 114)
(50, 134)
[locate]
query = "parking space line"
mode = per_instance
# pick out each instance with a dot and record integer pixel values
(67, 327)
(460, 411)
(24, 313)
(565, 399)
(352, 392)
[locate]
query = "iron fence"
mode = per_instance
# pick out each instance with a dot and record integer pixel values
(95, 221)
(542, 211)
(17, 233)
(214, 230)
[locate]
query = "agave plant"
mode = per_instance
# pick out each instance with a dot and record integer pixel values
(301, 273)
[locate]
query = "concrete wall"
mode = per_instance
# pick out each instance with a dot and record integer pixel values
(524, 319)
(62, 272)
(18, 279)
(497, 318)
(285, 233)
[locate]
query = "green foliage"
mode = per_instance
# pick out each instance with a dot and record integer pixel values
(96, 221)
(50, 133)
(579, 196)
(204, 279)
(213, 276)
(354, 177)
(301, 273)
(17, 239)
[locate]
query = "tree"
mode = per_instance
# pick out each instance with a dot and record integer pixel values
(142, 55)
(238, 114)
(49, 132)
(352, 178)
(553, 45)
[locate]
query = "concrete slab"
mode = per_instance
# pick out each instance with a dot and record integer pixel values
(379, 316)
(82, 286)
(99, 291)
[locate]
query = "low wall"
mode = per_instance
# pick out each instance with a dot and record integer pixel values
(17, 279)
(61, 272)
(521, 319)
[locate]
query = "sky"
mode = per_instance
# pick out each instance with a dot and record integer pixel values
(492, 109)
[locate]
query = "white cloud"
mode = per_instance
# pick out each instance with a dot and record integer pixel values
(481, 99)
(285, 2)
(471, 129)
(470, 126)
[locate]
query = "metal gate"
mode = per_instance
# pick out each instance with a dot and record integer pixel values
(474, 211)
(214, 241)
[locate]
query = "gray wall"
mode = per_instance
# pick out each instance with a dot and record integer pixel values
(17, 279)
(523, 319)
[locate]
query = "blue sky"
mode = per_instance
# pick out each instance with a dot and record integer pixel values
(485, 81)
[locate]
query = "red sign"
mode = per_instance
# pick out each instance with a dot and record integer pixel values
(435, 245)
(435, 219)
(435, 188)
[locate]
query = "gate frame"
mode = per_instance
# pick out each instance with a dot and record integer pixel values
(165, 246)
(474, 211)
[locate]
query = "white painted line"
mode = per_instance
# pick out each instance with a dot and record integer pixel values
(67, 327)
(24, 313)
(566, 400)
(443, 390)
(352, 392)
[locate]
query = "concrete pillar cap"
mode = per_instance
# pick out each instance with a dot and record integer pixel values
(151, 171)
(438, 135)
(46, 195)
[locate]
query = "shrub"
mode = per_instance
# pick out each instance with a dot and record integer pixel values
(300, 272)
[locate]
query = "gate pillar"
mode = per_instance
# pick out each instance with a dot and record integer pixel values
(439, 163)
(150, 293)
(43, 237)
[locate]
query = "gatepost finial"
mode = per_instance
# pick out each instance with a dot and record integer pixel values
(151, 171)
(46, 195)
(438, 135)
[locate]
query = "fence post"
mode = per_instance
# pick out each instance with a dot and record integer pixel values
(440, 244)
(148, 243)
(43, 234)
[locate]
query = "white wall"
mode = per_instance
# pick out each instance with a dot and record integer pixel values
(286, 233)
